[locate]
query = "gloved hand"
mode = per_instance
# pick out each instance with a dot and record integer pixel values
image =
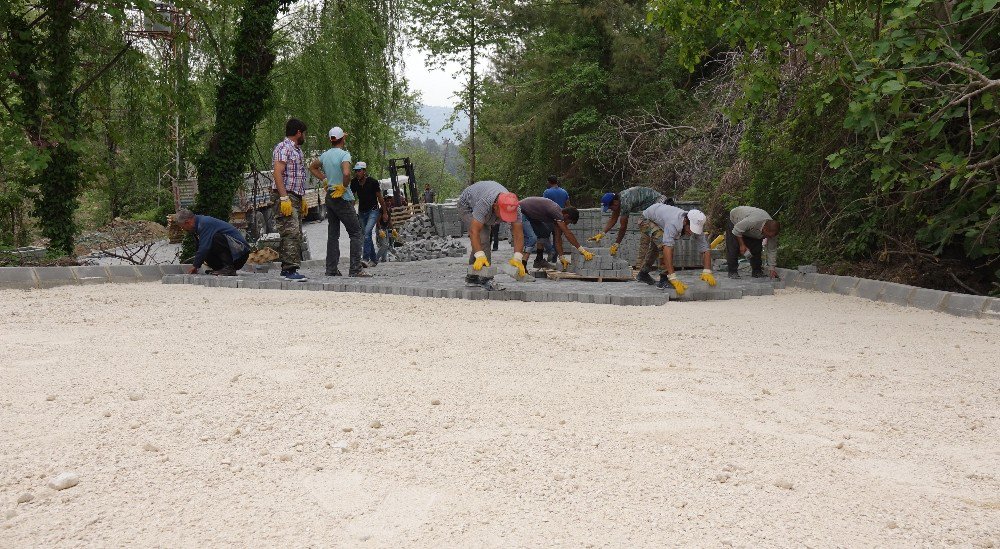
(326, 186)
(338, 191)
(679, 286)
(518, 262)
(304, 209)
(707, 276)
(587, 256)
(565, 260)
(285, 206)
(381, 233)
(614, 249)
(597, 237)
(480, 262)
(395, 234)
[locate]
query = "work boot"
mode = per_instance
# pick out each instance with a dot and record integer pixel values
(473, 279)
(540, 263)
(758, 274)
(644, 277)
(225, 271)
(664, 282)
(360, 274)
(734, 275)
(335, 273)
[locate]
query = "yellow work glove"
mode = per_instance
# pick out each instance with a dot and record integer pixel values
(718, 240)
(395, 234)
(597, 237)
(285, 206)
(326, 186)
(679, 286)
(305, 208)
(587, 256)
(614, 249)
(480, 262)
(338, 191)
(707, 276)
(565, 262)
(381, 233)
(518, 262)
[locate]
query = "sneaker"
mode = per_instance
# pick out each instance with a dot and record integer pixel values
(334, 273)
(293, 276)
(664, 283)
(225, 271)
(365, 263)
(643, 276)
(473, 279)
(361, 274)
(734, 275)
(540, 263)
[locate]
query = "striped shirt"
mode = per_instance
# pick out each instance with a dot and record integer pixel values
(637, 199)
(749, 222)
(478, 199)
(294, 175)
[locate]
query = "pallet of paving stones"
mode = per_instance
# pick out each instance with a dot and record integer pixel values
(614, 276)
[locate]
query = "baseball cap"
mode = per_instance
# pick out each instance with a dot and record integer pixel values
(606, 201)
(360, 166)
(337, 132)
(507, 204)
(697, 219)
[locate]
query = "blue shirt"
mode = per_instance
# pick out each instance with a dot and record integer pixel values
(557, 195)
(205, 229)
(332, 161)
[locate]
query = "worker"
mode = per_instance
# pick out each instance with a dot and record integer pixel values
(428, 194)
(541, 218)
(631, 200)
(333, 168)
(286, 191)
(484, 205)
(220, 245)
(666, 223)
(371, 206)
(556, 193)
(746, 230)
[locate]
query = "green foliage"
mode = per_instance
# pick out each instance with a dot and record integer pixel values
(429, 161)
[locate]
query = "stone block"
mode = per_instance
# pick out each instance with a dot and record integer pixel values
(271, 284)
(174, 268)
(122, 273)
(992, 309)
(50, 277)
(807, 269)
(174, 279)
(823, 282)
(844, 285)
(249, 283)
(930, 300)
(148, 272)
(965, 305)
(868, 289)
(602, 299)
(898, 294)
(228, 281)
(91, 275)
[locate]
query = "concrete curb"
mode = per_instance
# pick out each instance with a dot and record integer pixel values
(28, 278)
(971, 306)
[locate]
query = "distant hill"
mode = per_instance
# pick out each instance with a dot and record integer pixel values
(437, 127)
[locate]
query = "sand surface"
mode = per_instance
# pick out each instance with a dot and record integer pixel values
(208, 417)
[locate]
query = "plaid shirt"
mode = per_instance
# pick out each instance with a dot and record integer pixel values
(294, 175)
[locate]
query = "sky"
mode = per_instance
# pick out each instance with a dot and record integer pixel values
(437, 87)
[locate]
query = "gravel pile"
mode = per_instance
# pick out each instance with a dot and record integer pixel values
(420, 243)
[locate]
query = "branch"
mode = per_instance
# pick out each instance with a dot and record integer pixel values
(86, 84)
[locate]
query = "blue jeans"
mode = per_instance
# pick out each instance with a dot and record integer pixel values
(368, 220)
(529, 234)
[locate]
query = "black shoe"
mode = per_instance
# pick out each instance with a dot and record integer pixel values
(360, 274)
(334, 273)
(758, 274)
(473, 279)
(540, 263)
(734, 275)
(664, 283)
(225, 271)
(644, 277)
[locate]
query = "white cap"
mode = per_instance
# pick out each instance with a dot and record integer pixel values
(360, 166)
(337, 132)
(697, 219)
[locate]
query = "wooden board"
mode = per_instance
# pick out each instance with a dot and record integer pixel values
(559, 275)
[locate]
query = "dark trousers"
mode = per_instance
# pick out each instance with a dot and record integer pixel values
(341, 211)
(755, 245)
(220, 255)
(495, 237)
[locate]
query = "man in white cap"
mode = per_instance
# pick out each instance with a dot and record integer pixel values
(483, 205)
(370, 206)
(666, 223)
(333, 168)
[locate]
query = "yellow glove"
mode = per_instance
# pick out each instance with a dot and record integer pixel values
(587, 256)
(518, 262)
(305, 208)
(597, 237)
(565, 262)
(679, 286)
(480, 262)
(718, 240)
(395, 234)
(326, 186)
(706, 275)
(614, 249)
(285, 206)
(381, 233)
(338, 191)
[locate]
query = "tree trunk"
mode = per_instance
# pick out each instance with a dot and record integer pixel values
(472, 105)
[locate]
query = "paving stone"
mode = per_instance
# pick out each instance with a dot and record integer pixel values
(122, 273)
(173, 268)
(174, 279)
(992, 309)
(50, 277)
(869, 289)
(844, 285)
(823, 282)
(250, 283)
(91, 275)
(807, 269)
(927, 299)
(228, 282)
(271, 284)
(149, 272)
(965, 304)
(898, 294)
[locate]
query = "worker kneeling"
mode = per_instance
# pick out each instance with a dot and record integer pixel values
(483, 205)
(220, 245)
(747, 229)
(668, 223)
(542, 218)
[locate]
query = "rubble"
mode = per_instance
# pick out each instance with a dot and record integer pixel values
(419, 242)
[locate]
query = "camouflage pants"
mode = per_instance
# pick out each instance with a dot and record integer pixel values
(649, 245)
(290, 229)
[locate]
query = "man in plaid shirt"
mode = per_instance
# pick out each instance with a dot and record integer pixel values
(287, 189)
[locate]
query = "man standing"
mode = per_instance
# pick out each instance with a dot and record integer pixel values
(428, 194)
(483, 205)
(556, 193)
(543, 218)
(333, 167)
(746, 230)
(631, 200)
(668, 223)
(220, 245)
(370, 206)
(286, 190)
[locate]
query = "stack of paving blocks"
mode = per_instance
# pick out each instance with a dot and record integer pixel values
(603, 265)
(446, 219)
